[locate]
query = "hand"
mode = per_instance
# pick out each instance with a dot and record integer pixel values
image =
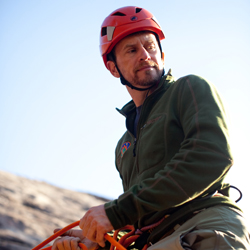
(71, 239)
(95, 224)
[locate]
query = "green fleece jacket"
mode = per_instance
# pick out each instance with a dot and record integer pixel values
(181, 154)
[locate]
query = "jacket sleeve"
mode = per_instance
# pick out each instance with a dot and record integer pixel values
(198, 167)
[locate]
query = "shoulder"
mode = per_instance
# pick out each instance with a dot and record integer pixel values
(194, 80)
(195, 83)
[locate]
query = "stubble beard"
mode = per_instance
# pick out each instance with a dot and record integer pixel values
(150, 78)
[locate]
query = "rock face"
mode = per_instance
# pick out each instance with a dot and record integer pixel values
(30, 210)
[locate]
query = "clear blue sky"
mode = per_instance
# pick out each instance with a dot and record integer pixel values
(58, 121)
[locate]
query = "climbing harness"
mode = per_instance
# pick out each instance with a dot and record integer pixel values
(122, 244)
(139, 238)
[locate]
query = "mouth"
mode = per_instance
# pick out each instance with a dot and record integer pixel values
(147, 66)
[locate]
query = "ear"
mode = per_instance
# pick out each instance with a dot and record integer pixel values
(163, 57)
(112, 69)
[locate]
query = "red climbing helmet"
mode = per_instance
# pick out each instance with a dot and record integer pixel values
(123, 22)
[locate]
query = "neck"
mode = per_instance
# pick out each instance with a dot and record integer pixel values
(140, 96)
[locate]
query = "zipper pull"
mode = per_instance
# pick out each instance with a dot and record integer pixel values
(134, 147)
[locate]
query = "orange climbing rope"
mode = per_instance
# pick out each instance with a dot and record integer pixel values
(120, 244)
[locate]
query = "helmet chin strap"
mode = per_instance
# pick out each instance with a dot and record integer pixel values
(125, 82)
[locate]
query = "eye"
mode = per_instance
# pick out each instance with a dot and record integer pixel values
(151, 47)
(131, 51)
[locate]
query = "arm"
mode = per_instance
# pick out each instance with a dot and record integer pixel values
(200, 164)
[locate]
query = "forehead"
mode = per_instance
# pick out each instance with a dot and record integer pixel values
(133, 39)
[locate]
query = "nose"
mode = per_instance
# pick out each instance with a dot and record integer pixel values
(144, 55)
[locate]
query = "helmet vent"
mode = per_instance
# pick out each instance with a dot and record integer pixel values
(118, 14)
(104, 31)
(109, 30)
(137, 10)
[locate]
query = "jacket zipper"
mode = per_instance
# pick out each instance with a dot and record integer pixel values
(134, 154)
(135, 140)
(137, 135)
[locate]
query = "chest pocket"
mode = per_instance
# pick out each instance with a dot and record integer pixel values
(151, 145)
(125, 162)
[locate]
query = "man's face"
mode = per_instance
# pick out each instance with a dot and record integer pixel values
(139, 59)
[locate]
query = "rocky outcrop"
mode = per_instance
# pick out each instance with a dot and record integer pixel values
(30, 210)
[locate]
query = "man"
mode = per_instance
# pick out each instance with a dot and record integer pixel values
(174, 156)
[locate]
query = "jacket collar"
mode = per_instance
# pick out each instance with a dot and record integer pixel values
(164, 83)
